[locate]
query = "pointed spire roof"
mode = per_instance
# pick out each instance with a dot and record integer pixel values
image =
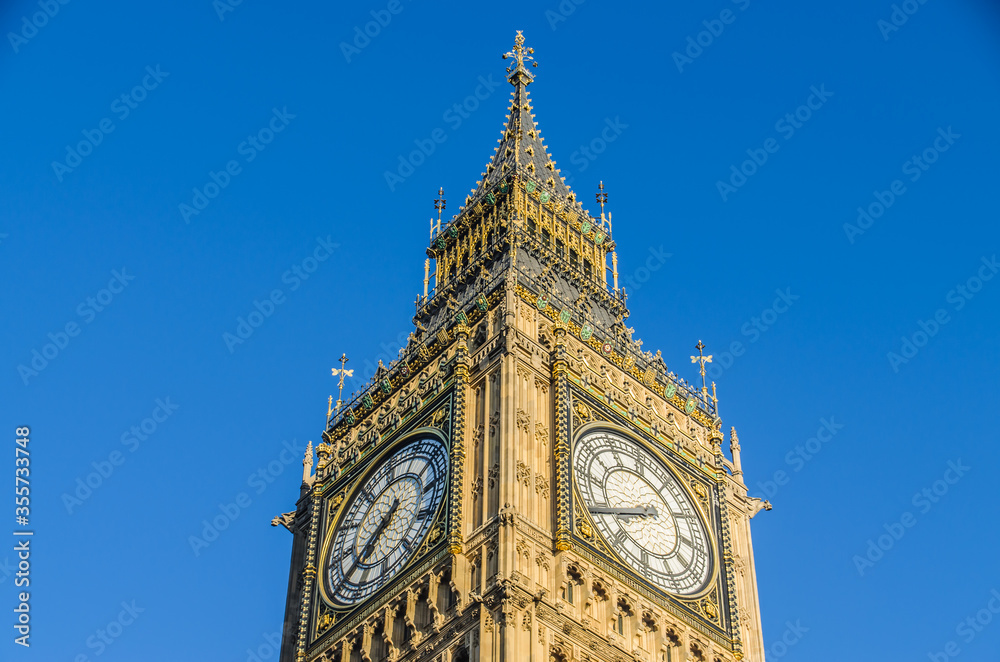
(521, 149)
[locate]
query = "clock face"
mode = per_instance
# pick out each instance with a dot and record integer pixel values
(388, 517)
(641, 510)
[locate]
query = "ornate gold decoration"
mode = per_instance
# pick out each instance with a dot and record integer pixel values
(326, 621)
(649, 377)
(583, 411)
(710, 609)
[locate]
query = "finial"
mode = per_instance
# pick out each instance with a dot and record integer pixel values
(307, 463)
(521, 55)
(715, 400)
(602, 198)
(734, 448)
(703, 359)
(439, 204)
(343, 372)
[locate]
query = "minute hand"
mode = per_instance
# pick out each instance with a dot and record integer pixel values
(625, 513)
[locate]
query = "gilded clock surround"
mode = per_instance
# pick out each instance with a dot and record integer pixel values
(518, 349)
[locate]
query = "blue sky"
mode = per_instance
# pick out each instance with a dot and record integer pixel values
(289, 135)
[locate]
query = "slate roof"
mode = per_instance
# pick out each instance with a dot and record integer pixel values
(522, 150)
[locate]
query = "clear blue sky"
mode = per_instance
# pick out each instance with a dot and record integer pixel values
(335, 122)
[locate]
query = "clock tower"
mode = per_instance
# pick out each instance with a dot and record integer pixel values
(524, 482)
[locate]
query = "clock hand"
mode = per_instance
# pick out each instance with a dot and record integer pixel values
(370, 546)
(625, 513)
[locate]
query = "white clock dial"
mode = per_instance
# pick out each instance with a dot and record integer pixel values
(641, 510)
(387, 518)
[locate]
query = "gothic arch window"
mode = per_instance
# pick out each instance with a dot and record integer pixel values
(491, 561)
(379, 652)
(546, 237)
(574, 259)
(399, 629)
(588, 269)
(446, 596)
(649, 628)
(574, 579)
(671, 645)
(475, 573)
(597, 605)
(422, 612)
(622, 616)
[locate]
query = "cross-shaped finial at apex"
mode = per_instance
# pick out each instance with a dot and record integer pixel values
(520, 54)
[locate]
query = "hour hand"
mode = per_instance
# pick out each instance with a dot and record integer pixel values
(370, 547)
(625, 513)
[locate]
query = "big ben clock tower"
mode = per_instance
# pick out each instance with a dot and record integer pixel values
(524, 483)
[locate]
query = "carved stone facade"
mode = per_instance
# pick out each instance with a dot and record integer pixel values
(520, 344)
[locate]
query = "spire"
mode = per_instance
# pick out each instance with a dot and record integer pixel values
(734, 449)
(521, 149)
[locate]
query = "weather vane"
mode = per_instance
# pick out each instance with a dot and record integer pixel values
(343, 372)
(520, 53)
(703, 359)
